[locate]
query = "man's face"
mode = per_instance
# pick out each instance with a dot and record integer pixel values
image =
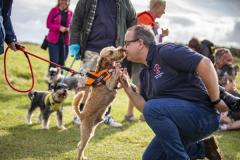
(160, 10)
(131, 46)
(227, 58)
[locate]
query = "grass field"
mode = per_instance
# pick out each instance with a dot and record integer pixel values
(20, 141)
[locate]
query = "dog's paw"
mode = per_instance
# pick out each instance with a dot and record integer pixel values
(29, 122)
(83, 158)
(45, 127)
(62, 127)
(39, 121)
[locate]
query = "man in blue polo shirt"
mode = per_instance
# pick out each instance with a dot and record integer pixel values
(179, 97)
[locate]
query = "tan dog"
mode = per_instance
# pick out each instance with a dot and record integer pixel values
(100, 98)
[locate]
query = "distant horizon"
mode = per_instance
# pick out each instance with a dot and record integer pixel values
(206, 19)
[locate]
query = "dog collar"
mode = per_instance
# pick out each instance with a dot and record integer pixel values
(49, 100)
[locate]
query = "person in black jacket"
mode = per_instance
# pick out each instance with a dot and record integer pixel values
(6, 29)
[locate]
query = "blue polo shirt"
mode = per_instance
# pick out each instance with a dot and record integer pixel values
(176, 78)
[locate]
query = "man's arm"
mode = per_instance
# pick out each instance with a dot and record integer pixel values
(206, 71)
(136, 98)
(131, 15)
(10, 38)
(77, 20)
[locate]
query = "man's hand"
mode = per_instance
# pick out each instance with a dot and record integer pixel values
(165, 32)
(12, 45)
(124, 79)
(74, 50)
(136, 98)
(221, 106)
(63, 29)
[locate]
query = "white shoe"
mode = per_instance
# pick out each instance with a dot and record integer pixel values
(223, 127)
(76, 120)
(111, 122)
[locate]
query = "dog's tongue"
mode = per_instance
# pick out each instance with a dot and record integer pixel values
(64, 95)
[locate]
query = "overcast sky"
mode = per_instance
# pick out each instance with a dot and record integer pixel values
(216, 20)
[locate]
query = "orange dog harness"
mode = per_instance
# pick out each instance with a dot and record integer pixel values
(97, 78)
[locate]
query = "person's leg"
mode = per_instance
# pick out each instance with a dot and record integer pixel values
(53, 53)
(108, 119)
(53, 50)
(66, 52)
(88, 63)
(61, 59)
(154, 151)
(130, 114)
(174, 121)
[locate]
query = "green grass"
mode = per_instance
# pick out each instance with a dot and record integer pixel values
(20, 141)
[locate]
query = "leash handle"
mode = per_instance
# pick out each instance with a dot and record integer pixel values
(6, 75)
(22, 48)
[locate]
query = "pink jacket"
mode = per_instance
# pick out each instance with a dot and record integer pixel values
(54, 24)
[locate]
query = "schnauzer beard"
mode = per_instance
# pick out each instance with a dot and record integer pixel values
(60, 95)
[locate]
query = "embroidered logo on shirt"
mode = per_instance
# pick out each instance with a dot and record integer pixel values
(157, 71)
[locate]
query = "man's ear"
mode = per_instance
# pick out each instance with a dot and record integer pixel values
(141, 43)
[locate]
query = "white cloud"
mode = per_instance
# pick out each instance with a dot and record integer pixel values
(206, 19)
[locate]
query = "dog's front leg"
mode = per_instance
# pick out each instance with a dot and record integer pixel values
(46, 115)
(40, 117)
(60, 119)
(112, 82)
(29, 114)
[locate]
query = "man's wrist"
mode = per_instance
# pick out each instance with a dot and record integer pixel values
(215, 102)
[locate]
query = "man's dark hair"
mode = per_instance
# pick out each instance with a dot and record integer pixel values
(141, 32)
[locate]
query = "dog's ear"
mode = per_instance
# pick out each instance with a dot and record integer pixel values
(52, 87)
(99, 64)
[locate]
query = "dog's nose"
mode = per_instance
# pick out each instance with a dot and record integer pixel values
(122, 49)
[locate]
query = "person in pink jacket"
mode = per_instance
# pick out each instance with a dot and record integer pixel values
(58, 22)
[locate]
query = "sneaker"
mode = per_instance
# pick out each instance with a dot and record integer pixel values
(111, 122)
(130, 118)
(212, 151)
(223, 127)
(76, 120)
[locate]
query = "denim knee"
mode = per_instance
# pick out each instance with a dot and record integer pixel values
(146, 110)
(146, 156)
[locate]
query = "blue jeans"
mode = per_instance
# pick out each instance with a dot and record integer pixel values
(58, 53)
(179, 126)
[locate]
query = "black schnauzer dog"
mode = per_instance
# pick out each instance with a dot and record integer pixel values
(48, 102)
